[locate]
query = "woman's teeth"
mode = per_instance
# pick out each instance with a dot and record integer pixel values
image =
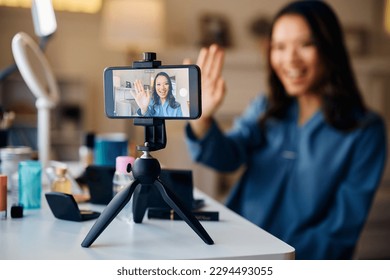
(294, 73)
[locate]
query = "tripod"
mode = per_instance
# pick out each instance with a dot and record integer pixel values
(146, 171)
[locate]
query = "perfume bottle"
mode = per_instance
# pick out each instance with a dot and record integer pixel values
(61, 183)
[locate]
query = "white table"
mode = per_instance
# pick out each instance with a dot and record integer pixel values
(39, 235)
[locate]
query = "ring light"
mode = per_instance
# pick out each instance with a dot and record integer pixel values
(37, 73)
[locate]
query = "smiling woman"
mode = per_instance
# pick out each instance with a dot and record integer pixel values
(161, 101)
(313, 153)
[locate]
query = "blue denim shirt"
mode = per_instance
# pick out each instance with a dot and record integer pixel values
(161, 110)
(311, 185)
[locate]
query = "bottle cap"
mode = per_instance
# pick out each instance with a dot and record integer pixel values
(15, 153)
(61, 170)
(122, 162)
(90, 140)
(17, 211)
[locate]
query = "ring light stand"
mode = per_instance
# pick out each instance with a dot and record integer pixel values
(146, 171)
(29, 58)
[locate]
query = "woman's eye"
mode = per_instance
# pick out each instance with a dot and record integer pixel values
(277, 46)
(308, 44)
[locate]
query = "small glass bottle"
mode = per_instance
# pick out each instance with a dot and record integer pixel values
(123, 177)
(61, 183)
(9, 165)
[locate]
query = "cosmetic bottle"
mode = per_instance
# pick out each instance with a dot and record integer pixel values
(123, 177)
(86, 150)
(3, 197)
(61, 183)
(30, 184)
(9, 165)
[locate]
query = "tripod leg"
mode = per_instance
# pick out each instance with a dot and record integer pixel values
(110, 212)
(140, 203)
(171, 199)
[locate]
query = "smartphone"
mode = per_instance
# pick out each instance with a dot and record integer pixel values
(165, 92)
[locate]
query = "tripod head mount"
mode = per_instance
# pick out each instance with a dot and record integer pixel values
(149, 61)
(146, 169)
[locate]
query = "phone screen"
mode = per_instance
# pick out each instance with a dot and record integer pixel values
(168, 92)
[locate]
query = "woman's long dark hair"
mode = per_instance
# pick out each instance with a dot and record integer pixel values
(342, 103)
(170, 97)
